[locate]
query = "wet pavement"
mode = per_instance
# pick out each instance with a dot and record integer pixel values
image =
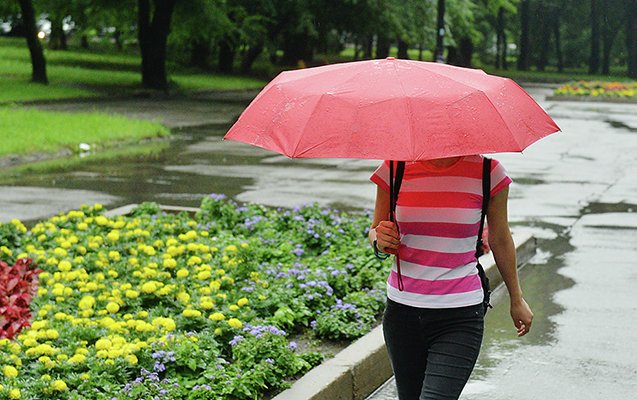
(575, 191)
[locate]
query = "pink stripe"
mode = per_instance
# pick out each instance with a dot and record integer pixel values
(446, 286)
(435, 258)
(439, 199)
(441, 229)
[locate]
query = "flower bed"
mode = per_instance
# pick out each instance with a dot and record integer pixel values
(154, 305)
(596, 89)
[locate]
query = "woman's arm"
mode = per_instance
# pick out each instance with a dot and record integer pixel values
(382, 230)
(503, 248)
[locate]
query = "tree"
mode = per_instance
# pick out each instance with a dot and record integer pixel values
(631, 36)
(440, 31)
(593, 64)
(525, 45)
(38, 62)
(153, 28)
(611, 20)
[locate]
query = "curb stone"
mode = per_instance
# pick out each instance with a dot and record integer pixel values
(363, 367)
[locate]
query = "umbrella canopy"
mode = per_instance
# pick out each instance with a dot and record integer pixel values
(393, 110)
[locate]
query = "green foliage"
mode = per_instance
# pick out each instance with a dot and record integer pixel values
(154, 303)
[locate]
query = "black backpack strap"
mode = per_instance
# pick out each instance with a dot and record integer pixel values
(486, 195)
(395, 180)
(394, 188)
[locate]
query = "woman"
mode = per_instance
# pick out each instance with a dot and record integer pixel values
(433, 321)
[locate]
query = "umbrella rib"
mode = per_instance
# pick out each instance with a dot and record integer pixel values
(502, 119)
(412, 150)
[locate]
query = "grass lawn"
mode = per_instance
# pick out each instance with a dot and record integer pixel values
(25, 131)
(84, 73)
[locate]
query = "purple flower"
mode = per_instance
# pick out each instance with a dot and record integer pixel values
(236, 340)
(269, 361)
(293, 346)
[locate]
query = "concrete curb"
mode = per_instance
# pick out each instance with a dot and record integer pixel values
(361, 368)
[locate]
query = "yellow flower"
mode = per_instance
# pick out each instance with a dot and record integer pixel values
(203, 275)
(131, 359)
(242, 302)
(218, 331)
(231, 248)
(170, 263)
(14, 393)
(9, 371)
(45, 377)
(149, 287)
(132, 294)
(112, 307)
(59, 385)
(64, 266)
(52, 334)
(235, 323)
(217, 316)
(101, 220)
(103, 344)
(191, 313)
(113, 235)
(78, 359)
(233, 307)
(183, 297)
(87, 302)
(182, 273)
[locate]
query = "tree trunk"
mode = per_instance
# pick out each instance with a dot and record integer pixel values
(402, 50)
(153, 37)
(465, 52)
(382, 46)
(631, 37)
(38, 63)
(593, 64)
(199, 53)
(226, 55)
(608, 37)
(250, 57)
(523, 55)
(84, 41)
(500, 53)
(543, 15)
(297, 47)
(57, 40)
(369, 47)
(558, 42)
(439, 55)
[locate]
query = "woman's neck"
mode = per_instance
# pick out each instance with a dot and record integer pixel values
(443, 162)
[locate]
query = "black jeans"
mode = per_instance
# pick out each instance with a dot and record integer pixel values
(432, 351)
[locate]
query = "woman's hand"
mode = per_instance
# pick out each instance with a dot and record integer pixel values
(387, 237)
(522, 316)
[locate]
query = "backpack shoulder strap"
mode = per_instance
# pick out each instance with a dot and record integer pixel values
(394, 184)
(486, 195)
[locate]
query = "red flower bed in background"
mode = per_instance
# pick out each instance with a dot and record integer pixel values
(18, 285)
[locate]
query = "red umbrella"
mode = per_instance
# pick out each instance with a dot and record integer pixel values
(391, 110)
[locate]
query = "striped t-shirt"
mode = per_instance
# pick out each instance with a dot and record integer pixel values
(438, 215)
